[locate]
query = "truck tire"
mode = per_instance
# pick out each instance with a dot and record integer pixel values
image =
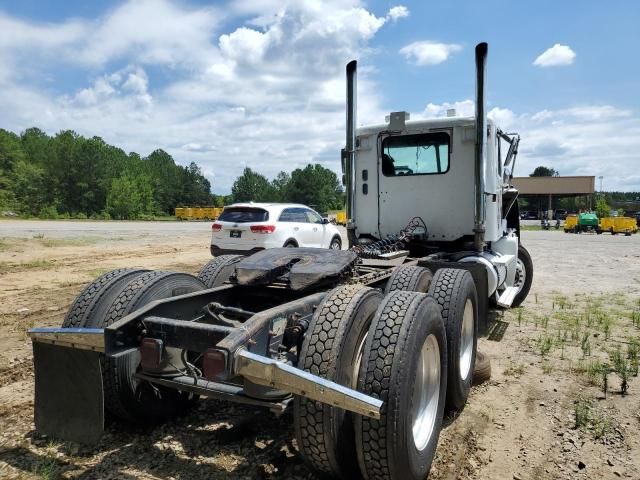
(404, 364)
(332, 349)
(455, 292)
(218, 270)
(482, 368)
(524, 276)
(92, 303)
(409, 278)
(125, 396)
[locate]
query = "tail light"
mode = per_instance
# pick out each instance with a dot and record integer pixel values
(214, 363)
(216, 227)
(263, 228)
(151, 353)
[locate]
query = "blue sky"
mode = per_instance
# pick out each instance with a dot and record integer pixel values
(260, 83)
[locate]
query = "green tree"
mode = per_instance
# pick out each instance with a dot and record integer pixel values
(602, 208)
(29, 187)
(315, 186)
(280, 185)
(11, 153)
(542, 171)
(123, 201)
(252, 187)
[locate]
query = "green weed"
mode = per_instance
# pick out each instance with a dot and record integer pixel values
(588, 417)
(582, 410)
(585, 345)
(514, 370)
(545, 344)
(633, 354)
(621, 368)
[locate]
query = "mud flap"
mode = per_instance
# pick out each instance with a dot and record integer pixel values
(69, 401)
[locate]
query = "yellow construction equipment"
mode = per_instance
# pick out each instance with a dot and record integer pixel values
(198, 213)
(570, 223)
(614, 225)
(341, 217)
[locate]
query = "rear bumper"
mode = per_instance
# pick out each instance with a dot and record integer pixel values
(215, 251)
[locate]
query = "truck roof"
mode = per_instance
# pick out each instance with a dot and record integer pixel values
(426, 123)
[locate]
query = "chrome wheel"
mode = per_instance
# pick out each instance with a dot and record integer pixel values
(358, 362)
(335, 244)
(521, 275)
(466, 340)
(426, 393)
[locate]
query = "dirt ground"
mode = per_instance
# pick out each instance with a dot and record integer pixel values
(543, 415)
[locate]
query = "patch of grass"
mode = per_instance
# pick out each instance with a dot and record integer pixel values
(545, 345)
(621, 368)
(633, 354)
(38, 236)
(96, 272)
(562, 302)
(585, 345)
(582, 409)
(47, 469)
(547, 368)
(588, 417)
(514, 370)
(66, 242)
(593, 371)
(32, 265)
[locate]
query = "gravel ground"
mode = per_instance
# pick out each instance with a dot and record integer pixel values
(519, 425)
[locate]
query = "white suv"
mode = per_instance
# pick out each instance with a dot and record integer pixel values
(244, 228)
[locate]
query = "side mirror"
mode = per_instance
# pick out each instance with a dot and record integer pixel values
(325, 221)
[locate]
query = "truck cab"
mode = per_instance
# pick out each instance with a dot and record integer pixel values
(453, 175)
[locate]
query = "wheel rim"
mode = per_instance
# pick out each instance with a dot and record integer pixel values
(426, 393)
(289, 245)
(358, 362)
(521, 275)
(466, 340)
(335, 245)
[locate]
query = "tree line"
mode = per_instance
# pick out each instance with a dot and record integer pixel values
(314, 185)
(69, 176)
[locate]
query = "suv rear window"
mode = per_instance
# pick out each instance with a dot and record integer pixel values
(244, 215)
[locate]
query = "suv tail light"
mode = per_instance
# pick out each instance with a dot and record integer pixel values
(263, 228)
(216, 227)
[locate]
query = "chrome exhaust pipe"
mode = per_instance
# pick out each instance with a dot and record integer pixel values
(481, 146)
(349, 155)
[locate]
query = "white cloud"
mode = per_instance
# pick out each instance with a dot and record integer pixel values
(429, 53)
(555, 56)
(268, 93)
(397, 12)
(582, 140)
(466, 108)
(244, 44)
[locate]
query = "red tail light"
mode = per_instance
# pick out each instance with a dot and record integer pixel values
(216, 227)
(263, 228)
(214, 363)
(151, 353)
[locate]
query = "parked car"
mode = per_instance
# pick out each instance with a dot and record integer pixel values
(560, 214)
(245, 228)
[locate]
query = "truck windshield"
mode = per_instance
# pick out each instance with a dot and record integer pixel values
(244, 215)
(422, 154)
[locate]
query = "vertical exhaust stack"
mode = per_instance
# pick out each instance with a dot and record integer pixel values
(350, 150)
(481, 146)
